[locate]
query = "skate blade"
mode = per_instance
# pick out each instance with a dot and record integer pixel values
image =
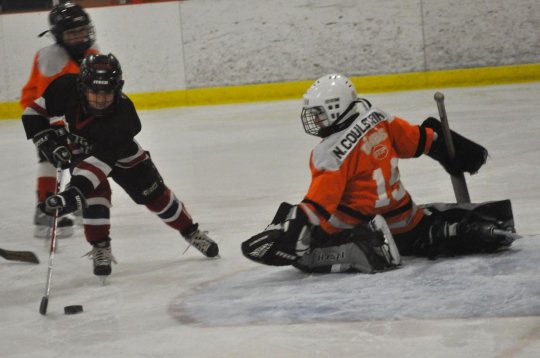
(212, 258)
(187, 248)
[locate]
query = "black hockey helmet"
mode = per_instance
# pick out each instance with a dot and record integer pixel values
(100, 73)
(68, 16)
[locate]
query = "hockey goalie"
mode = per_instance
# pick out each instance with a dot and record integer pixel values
(356, 215)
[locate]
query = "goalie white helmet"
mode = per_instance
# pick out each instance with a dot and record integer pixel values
(331, 100)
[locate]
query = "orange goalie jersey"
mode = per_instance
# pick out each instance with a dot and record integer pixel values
(355, 174)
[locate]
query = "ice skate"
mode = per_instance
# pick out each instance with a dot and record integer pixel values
(43, 226)
(491, 233)
(102, 256)
(201, 241)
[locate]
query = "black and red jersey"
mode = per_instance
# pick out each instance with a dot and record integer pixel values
(97, 144)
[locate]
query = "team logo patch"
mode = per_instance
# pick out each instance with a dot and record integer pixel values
(380, 152)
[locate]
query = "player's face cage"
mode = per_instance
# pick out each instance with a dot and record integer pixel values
(314, 119)
(79, 35)
(99, 99)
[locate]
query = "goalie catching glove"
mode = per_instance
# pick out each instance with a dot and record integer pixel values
(66, 202)
(283, 241)
(469, 157)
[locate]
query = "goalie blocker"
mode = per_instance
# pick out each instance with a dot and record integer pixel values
(291, 240)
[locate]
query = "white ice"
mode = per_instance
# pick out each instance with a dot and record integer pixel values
(232, 166)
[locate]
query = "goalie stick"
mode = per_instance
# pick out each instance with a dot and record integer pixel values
(458, 182)
(24, 256)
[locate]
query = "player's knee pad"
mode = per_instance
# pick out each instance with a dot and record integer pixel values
(142, 183)
(366, 249)
(283, 241)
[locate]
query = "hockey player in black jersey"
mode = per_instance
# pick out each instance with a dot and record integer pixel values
(99, 143)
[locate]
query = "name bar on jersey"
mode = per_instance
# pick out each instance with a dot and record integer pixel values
(356, 132)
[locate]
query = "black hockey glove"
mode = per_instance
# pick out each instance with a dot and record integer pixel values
(66, 202)
(470, 156)
(53, 145)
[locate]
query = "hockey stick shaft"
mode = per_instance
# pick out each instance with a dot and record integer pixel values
(24, 256)
(45, 298)
(458, 182)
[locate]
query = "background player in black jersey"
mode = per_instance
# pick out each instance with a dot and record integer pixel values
(99, 143)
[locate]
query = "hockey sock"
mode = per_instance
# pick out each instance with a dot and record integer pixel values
(46, 180)
(95, 232)
(172, 211)
(45, 187)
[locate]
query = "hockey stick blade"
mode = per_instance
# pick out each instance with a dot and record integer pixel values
(24, 256)
(43, 305)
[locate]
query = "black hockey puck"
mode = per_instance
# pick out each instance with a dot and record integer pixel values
(73, 309)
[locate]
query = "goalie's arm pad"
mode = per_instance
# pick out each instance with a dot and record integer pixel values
(470, 156)
(282, 242)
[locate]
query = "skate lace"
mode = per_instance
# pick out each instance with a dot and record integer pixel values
(200, 240)
(102, 256)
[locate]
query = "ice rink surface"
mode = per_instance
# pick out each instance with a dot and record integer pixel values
(232, 165)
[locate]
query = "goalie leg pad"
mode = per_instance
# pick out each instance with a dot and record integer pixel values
(460, 229)
(366, 249)
(348, 257)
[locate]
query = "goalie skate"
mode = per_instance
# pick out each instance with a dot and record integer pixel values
(493, 234)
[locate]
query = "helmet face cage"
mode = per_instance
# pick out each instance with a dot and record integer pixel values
(327, 102)
(314, 119)
(69, 16)
(100, 74)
